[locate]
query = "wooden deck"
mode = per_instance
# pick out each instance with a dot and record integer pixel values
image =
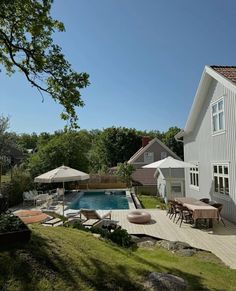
(221, 241)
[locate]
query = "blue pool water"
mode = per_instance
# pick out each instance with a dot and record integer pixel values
(101, 200)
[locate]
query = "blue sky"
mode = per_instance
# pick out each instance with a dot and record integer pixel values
(145, 59)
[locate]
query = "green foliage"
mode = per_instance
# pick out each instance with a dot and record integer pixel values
(21, 181)
(169, 140)
(124, 171)
(121, 238)
(26, 44)
(113, 145)
(7, 139)
(68, 148)
(28, 141)
(118, 236)
(10, 223)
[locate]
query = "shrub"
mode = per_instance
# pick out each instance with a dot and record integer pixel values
(121, 237)
(9, 223)
(118, 236)
(21, 181)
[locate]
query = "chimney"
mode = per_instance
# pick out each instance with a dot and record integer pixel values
(145, 140)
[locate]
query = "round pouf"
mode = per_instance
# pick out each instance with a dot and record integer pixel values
(139, 217)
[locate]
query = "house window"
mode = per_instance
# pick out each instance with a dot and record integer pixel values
(194, 177)
(221, 178)
(148, 157)
(163, 155)
(217, 110)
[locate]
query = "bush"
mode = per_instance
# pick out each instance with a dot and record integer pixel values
(21, 181)
(121, 237)
(118, 236)
(10, 223)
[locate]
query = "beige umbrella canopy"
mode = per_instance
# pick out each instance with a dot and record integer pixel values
(169, 163)
(62, 174)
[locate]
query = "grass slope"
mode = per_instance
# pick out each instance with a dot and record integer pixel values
(68, 259)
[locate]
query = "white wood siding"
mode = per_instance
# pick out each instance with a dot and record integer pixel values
(201, 146)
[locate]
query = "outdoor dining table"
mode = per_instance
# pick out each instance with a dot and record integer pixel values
(200, 210)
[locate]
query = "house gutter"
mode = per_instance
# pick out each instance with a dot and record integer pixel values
(179, 135)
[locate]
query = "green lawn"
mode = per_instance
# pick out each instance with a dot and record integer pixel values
(69, 259)
(148, 201)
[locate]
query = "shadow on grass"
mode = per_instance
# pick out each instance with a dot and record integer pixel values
(44, 258)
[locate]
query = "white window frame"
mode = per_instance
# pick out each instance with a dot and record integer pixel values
(194, 171)
(217, 113)
(147, 156)
(223, 176)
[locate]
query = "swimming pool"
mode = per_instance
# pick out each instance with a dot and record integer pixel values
(101, 200)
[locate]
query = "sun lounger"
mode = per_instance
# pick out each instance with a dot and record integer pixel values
(93, 218)
(53, 222)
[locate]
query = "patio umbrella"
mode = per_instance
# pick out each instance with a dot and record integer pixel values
(170, 163)
(62, 174)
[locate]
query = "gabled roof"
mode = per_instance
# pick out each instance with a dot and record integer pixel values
(144, 149)
(228, 72)
(226, 75)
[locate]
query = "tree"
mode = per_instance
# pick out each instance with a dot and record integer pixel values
(27, 141)
(113, 145)
(169, 140)
(124, 171)
(26, 44)
(68, 148)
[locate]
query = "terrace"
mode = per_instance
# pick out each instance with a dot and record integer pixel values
(221, 241)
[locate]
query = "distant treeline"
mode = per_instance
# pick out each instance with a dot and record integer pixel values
(90, 151)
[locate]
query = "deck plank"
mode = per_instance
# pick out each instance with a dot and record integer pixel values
(221, 241)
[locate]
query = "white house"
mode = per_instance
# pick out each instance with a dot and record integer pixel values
(209, 139)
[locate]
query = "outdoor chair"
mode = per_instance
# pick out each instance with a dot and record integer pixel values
(170, 206)
(184, 215)
(175, 209)
(29, 197)
(92, 217)
(219, 206)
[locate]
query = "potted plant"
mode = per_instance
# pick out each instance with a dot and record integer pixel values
(13, 230)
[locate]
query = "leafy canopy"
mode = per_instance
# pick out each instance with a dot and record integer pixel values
(26, 44)
(68, 148)
(125, 171)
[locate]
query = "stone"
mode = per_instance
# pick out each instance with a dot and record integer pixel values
(186, 252)
(169, 245)
(173, 245)
(165, 282)
(146, 244)
(135, 238)
(182, 245)
(97, 235)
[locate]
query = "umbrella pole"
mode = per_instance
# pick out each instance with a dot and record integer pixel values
(63, 202)
(170, 183)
